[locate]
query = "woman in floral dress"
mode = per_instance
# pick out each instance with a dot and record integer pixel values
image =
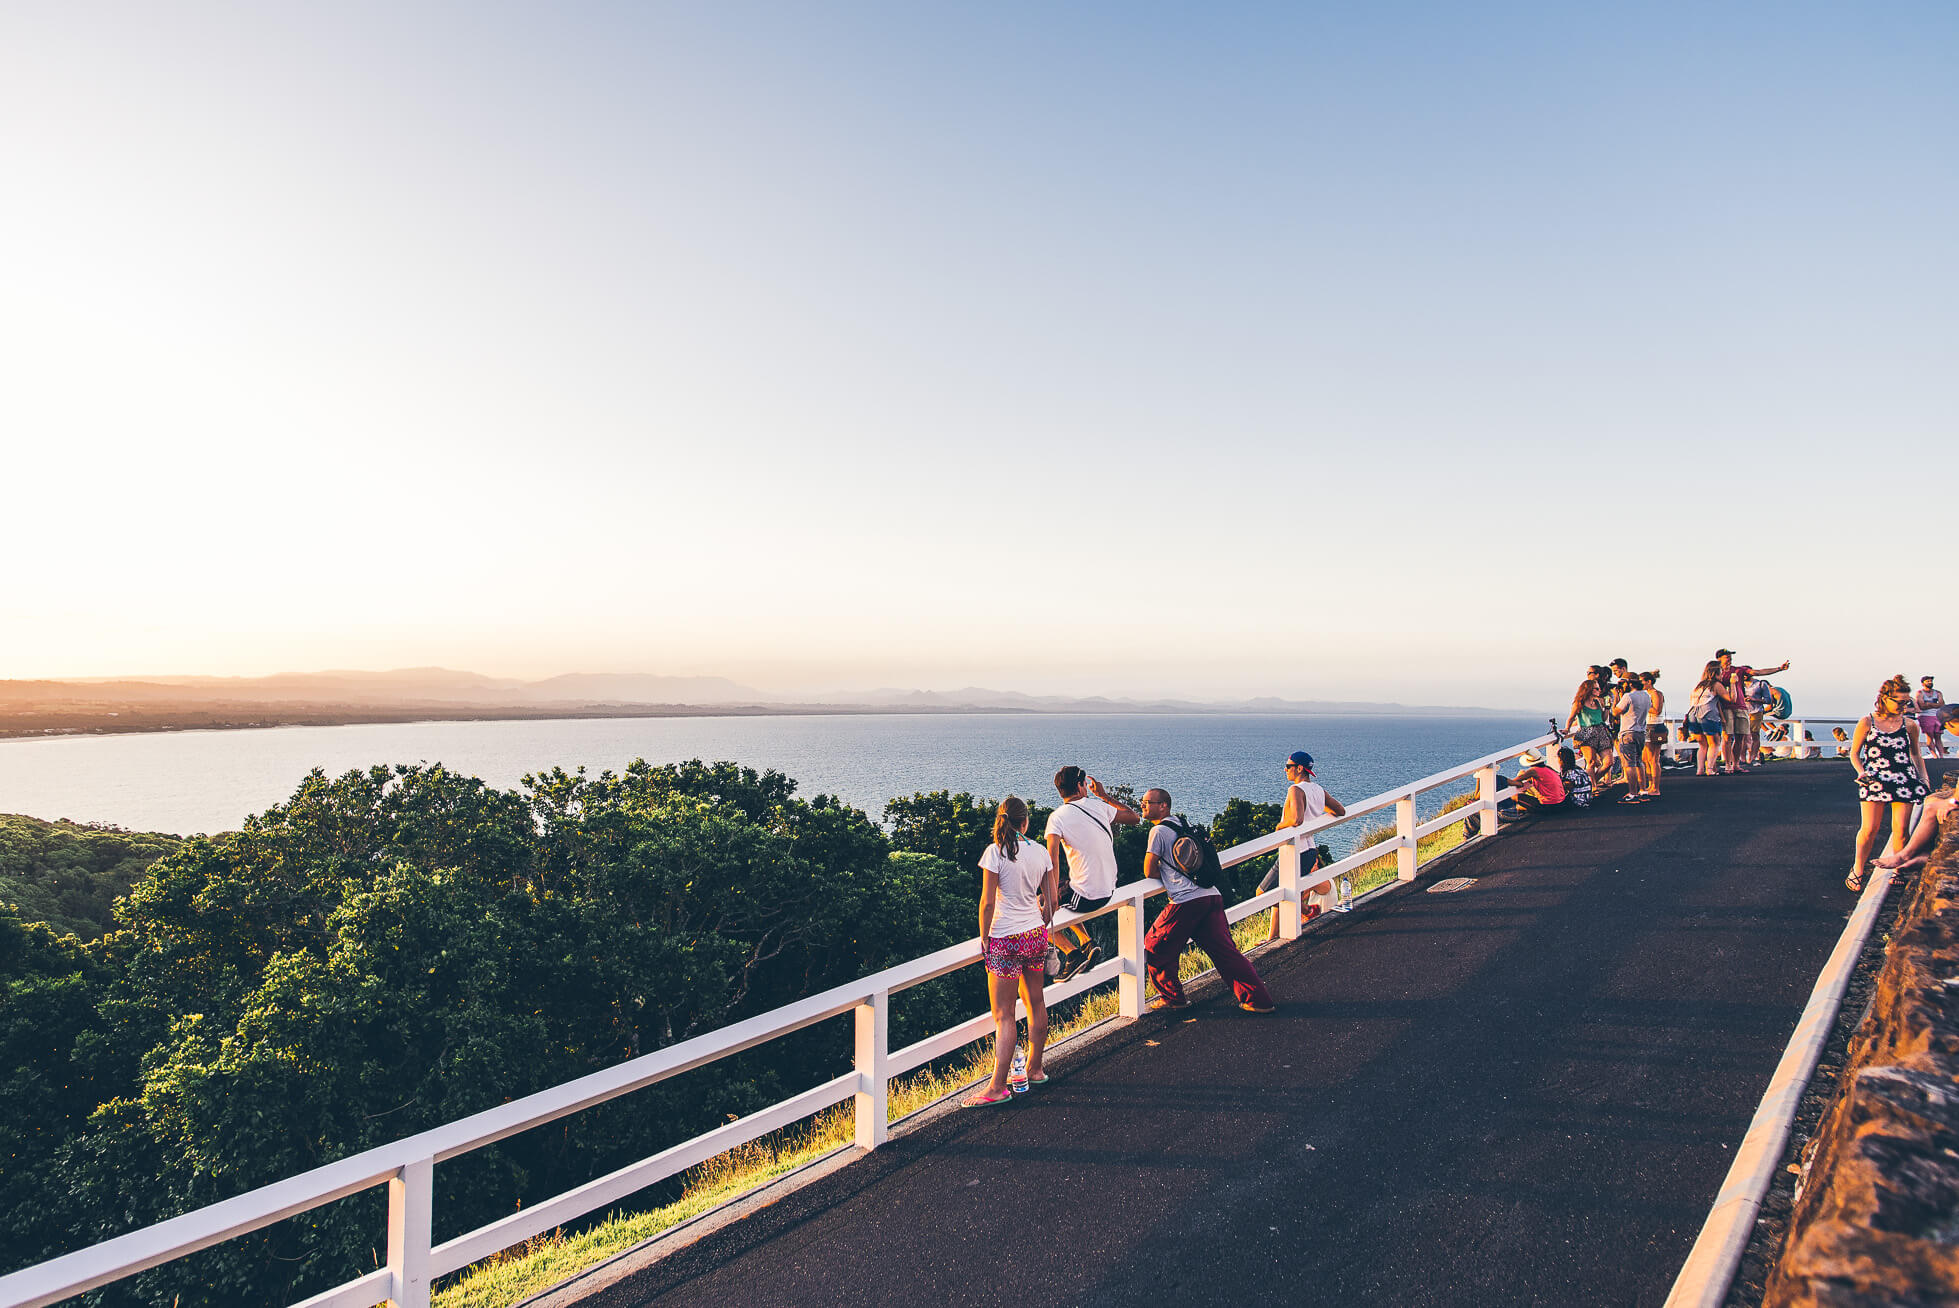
(1890, 772)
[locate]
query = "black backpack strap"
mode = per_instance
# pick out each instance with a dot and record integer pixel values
(1091, 817)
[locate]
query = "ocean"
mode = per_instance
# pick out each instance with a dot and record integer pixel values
(208, 781)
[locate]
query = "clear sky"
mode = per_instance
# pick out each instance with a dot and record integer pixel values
(1379, 350)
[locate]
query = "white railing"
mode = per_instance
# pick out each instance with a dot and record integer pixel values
(407, 1166)
(1795, 743)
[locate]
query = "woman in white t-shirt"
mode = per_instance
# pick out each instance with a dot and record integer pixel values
(1017, 901)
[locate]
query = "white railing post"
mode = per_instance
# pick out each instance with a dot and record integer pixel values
(1486, 792)
(1404, 830)
(1288, 908)
(873, 1080)
(1134, 980)
(411, 1195)
(1675, 730)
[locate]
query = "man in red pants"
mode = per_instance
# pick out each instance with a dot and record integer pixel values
(1194, 913)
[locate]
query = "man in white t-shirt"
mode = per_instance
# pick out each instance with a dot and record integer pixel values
(1084, 826)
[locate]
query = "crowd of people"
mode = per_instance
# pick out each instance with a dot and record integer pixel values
(1024, 886)
(1618, 737)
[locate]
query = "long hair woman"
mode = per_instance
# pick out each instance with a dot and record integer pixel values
(1890, 772)
(1017, 900)
(1656, 729)
(1703, 718)
(1586, 724)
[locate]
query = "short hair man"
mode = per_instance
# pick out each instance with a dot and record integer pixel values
(1084, 826)
(1194, 913)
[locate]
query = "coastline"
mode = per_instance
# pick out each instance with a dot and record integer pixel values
(54, 723)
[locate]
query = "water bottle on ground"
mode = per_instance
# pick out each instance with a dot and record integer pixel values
(1017, 1080)
(1344, 902)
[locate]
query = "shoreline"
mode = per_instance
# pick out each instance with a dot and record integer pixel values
(56, 724)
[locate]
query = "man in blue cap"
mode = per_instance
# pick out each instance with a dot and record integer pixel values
(1306, 799)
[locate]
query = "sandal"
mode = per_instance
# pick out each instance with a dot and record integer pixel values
(1855, 881)
(983, 1099)
(1042, 1079)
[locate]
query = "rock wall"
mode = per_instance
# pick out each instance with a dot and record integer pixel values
(1876, 1217)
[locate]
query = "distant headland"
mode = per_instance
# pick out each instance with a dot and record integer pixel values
(93, 706)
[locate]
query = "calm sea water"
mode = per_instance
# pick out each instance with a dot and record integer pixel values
(209, 781)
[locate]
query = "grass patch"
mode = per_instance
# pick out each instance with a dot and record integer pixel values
(539, 1263)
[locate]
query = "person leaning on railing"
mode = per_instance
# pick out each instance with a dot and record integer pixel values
(1017, 901)
(1306, 800)
(1195, 913)
(1084, 827)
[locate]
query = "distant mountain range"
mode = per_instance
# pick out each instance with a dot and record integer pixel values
(436, 689)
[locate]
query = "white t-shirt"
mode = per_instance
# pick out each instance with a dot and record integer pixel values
(1018, 908)
(1087, 830)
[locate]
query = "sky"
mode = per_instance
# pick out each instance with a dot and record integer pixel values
(1364, 351)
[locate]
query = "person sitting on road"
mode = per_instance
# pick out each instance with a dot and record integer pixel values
(1306, 800)
(1535, 787)
(1931, 815)
(1577, 781)
(1195, 912)
(1017, 898)
(1083, 826)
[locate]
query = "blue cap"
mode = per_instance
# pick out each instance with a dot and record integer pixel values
(1302, 758)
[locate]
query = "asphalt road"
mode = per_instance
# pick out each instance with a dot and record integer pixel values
(1523, 1093)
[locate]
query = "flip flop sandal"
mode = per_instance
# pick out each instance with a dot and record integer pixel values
(1042, 1079)
(984, 1100)
(1855, 881)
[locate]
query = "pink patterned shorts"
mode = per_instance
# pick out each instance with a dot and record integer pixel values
(1007, 955)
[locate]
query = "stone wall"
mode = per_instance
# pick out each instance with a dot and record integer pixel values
(1876, 1218)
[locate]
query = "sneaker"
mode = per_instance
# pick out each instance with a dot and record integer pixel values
(1250, 1007)
(1078, 962)
(1054, 962)
(1160, 1005)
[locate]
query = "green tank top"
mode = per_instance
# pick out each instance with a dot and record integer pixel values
(1591, 717)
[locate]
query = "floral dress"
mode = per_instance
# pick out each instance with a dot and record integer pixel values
(1890, 772)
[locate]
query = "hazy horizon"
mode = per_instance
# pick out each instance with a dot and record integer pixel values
(1408, 353)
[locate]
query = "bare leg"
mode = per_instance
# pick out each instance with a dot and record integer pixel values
(1922, 836)
(1001, 991)
(1870, 813)
(1032, 978)
(1900, 819)
(1652, 767)
(1635, 772)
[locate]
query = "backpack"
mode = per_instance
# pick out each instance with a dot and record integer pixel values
(1784, 704)
(1193, 854)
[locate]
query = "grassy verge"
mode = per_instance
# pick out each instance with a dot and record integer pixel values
(538, 1264)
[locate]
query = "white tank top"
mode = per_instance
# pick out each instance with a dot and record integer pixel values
(1313, 795)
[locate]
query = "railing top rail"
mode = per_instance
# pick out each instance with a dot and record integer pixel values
(1237, 854)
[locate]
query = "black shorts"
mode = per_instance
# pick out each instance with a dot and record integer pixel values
(1074, 903)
